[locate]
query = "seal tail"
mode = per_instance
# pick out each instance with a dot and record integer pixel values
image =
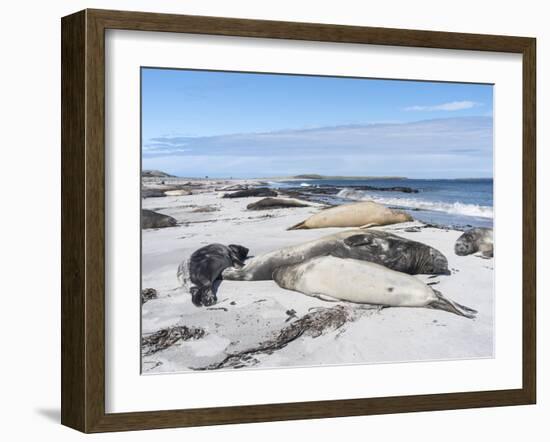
(298, 226)
(366, 226)
(442, 303)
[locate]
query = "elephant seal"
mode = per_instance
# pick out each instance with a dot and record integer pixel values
(392, 251)
(275, 203)
(363, 214)
(258, 191)
(205, 267)
(363, 282)
(152, 193)
(154, 220)
(178, 192)
(479, 239)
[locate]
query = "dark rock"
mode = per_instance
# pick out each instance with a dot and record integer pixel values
(148, 294)
(325, 189)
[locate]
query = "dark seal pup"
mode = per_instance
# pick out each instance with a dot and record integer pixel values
(479, 239)
(205, 267)
(391, 251)
(154, 220)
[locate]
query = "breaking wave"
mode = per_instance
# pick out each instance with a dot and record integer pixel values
(455, 208)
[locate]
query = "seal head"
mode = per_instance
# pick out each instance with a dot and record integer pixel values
(479, 239)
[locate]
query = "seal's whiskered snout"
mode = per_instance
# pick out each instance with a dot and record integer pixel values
(478, 239)
(240, 251)
(462, 249)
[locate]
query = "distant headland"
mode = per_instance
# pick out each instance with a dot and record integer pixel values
(155, 174)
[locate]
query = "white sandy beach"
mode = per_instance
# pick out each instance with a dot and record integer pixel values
(249, 313)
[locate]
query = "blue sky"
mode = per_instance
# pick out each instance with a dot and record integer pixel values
(220, 124)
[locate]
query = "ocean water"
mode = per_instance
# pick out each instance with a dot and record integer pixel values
(457, 203)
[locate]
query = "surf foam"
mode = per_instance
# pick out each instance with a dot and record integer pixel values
(456, 208)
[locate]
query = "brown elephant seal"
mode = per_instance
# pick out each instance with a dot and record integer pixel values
(205, 267)
(479, 239)
(154, 220)
(363, 214)
(363, 282)
(275, 203)
(392, 251)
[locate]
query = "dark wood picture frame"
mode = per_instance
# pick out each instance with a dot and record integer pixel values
(83, 220)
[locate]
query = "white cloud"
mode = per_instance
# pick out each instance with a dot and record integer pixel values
(460, 144)
(451, 106)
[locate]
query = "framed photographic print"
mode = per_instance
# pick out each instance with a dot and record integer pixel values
(268, 220)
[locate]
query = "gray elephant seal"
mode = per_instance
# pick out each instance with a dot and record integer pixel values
(391, 251)
(363, 282)
(154, 220)
(479, 239)
(205, 266)
(275, 203)
(247, 193)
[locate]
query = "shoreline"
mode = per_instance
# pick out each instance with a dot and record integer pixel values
(441, 214)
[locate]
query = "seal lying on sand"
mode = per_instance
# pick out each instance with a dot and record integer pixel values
(392, 251)
(178, 192)
(363, 214)
(258, 191)
(479, 239)
(363, 282)
(154, 220)
(205, 266)
(275, 203)
(152, 193)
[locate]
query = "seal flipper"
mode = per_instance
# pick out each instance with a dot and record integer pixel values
(442, 303)
(358, 240)
(299, 226)
(366, 242)
(323, 297)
